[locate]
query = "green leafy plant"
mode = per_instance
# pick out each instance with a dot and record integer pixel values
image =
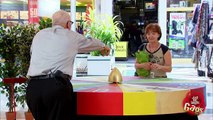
(24, 42)
(103, 27)
(15, 44)
(45, 23)
(9, 68)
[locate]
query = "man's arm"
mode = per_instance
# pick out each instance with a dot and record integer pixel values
(91, 44)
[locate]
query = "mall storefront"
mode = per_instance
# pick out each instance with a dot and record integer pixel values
(174, 16)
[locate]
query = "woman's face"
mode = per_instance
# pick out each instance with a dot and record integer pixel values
(152, 36)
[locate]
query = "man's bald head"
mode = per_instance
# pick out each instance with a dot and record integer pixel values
(60, 17)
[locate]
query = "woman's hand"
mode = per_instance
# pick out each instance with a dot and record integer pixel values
(146, 66)
(155, 66)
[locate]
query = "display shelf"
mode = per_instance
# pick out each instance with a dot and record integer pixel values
(180, 9)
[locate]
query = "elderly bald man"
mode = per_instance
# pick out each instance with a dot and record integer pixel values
(53, 50)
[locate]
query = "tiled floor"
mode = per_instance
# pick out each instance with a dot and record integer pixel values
(182, 68)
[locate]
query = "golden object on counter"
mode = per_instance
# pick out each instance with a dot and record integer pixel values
(115, 76)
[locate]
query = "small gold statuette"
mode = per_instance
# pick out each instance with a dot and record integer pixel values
(115, 76)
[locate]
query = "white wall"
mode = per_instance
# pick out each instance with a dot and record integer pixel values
(47, 7)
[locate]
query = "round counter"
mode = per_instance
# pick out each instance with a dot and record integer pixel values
(134, 97)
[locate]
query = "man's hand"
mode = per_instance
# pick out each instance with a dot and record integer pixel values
(105, 51)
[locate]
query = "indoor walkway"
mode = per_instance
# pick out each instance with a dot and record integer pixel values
(182, 68)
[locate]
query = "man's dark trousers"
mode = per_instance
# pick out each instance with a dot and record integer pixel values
(50, 99)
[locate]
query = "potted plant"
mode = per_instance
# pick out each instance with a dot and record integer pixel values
(105, 28)
(24, 42)
(9, 68)
(15, 44)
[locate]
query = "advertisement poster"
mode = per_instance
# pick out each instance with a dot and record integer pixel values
(177, 30)
(121, 49)
(176, 43)
(177, 24)
(33, 11)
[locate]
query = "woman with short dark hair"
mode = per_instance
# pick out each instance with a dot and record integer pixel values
(160, 60)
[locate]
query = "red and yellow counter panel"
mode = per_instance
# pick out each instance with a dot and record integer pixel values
(135, 96)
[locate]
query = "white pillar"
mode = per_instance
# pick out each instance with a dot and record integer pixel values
(103, 7)
(97, 7)
(72, 14)
(106, 7)
(162, 19)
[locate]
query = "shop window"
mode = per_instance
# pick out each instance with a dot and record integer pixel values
(24, 15)
(9, 15)
(182, 3)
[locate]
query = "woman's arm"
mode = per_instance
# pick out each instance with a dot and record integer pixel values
(145, 65)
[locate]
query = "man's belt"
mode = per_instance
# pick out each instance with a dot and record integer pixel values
(42, 76)
(49, 76)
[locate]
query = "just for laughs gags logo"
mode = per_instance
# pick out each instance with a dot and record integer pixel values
(194, 103)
